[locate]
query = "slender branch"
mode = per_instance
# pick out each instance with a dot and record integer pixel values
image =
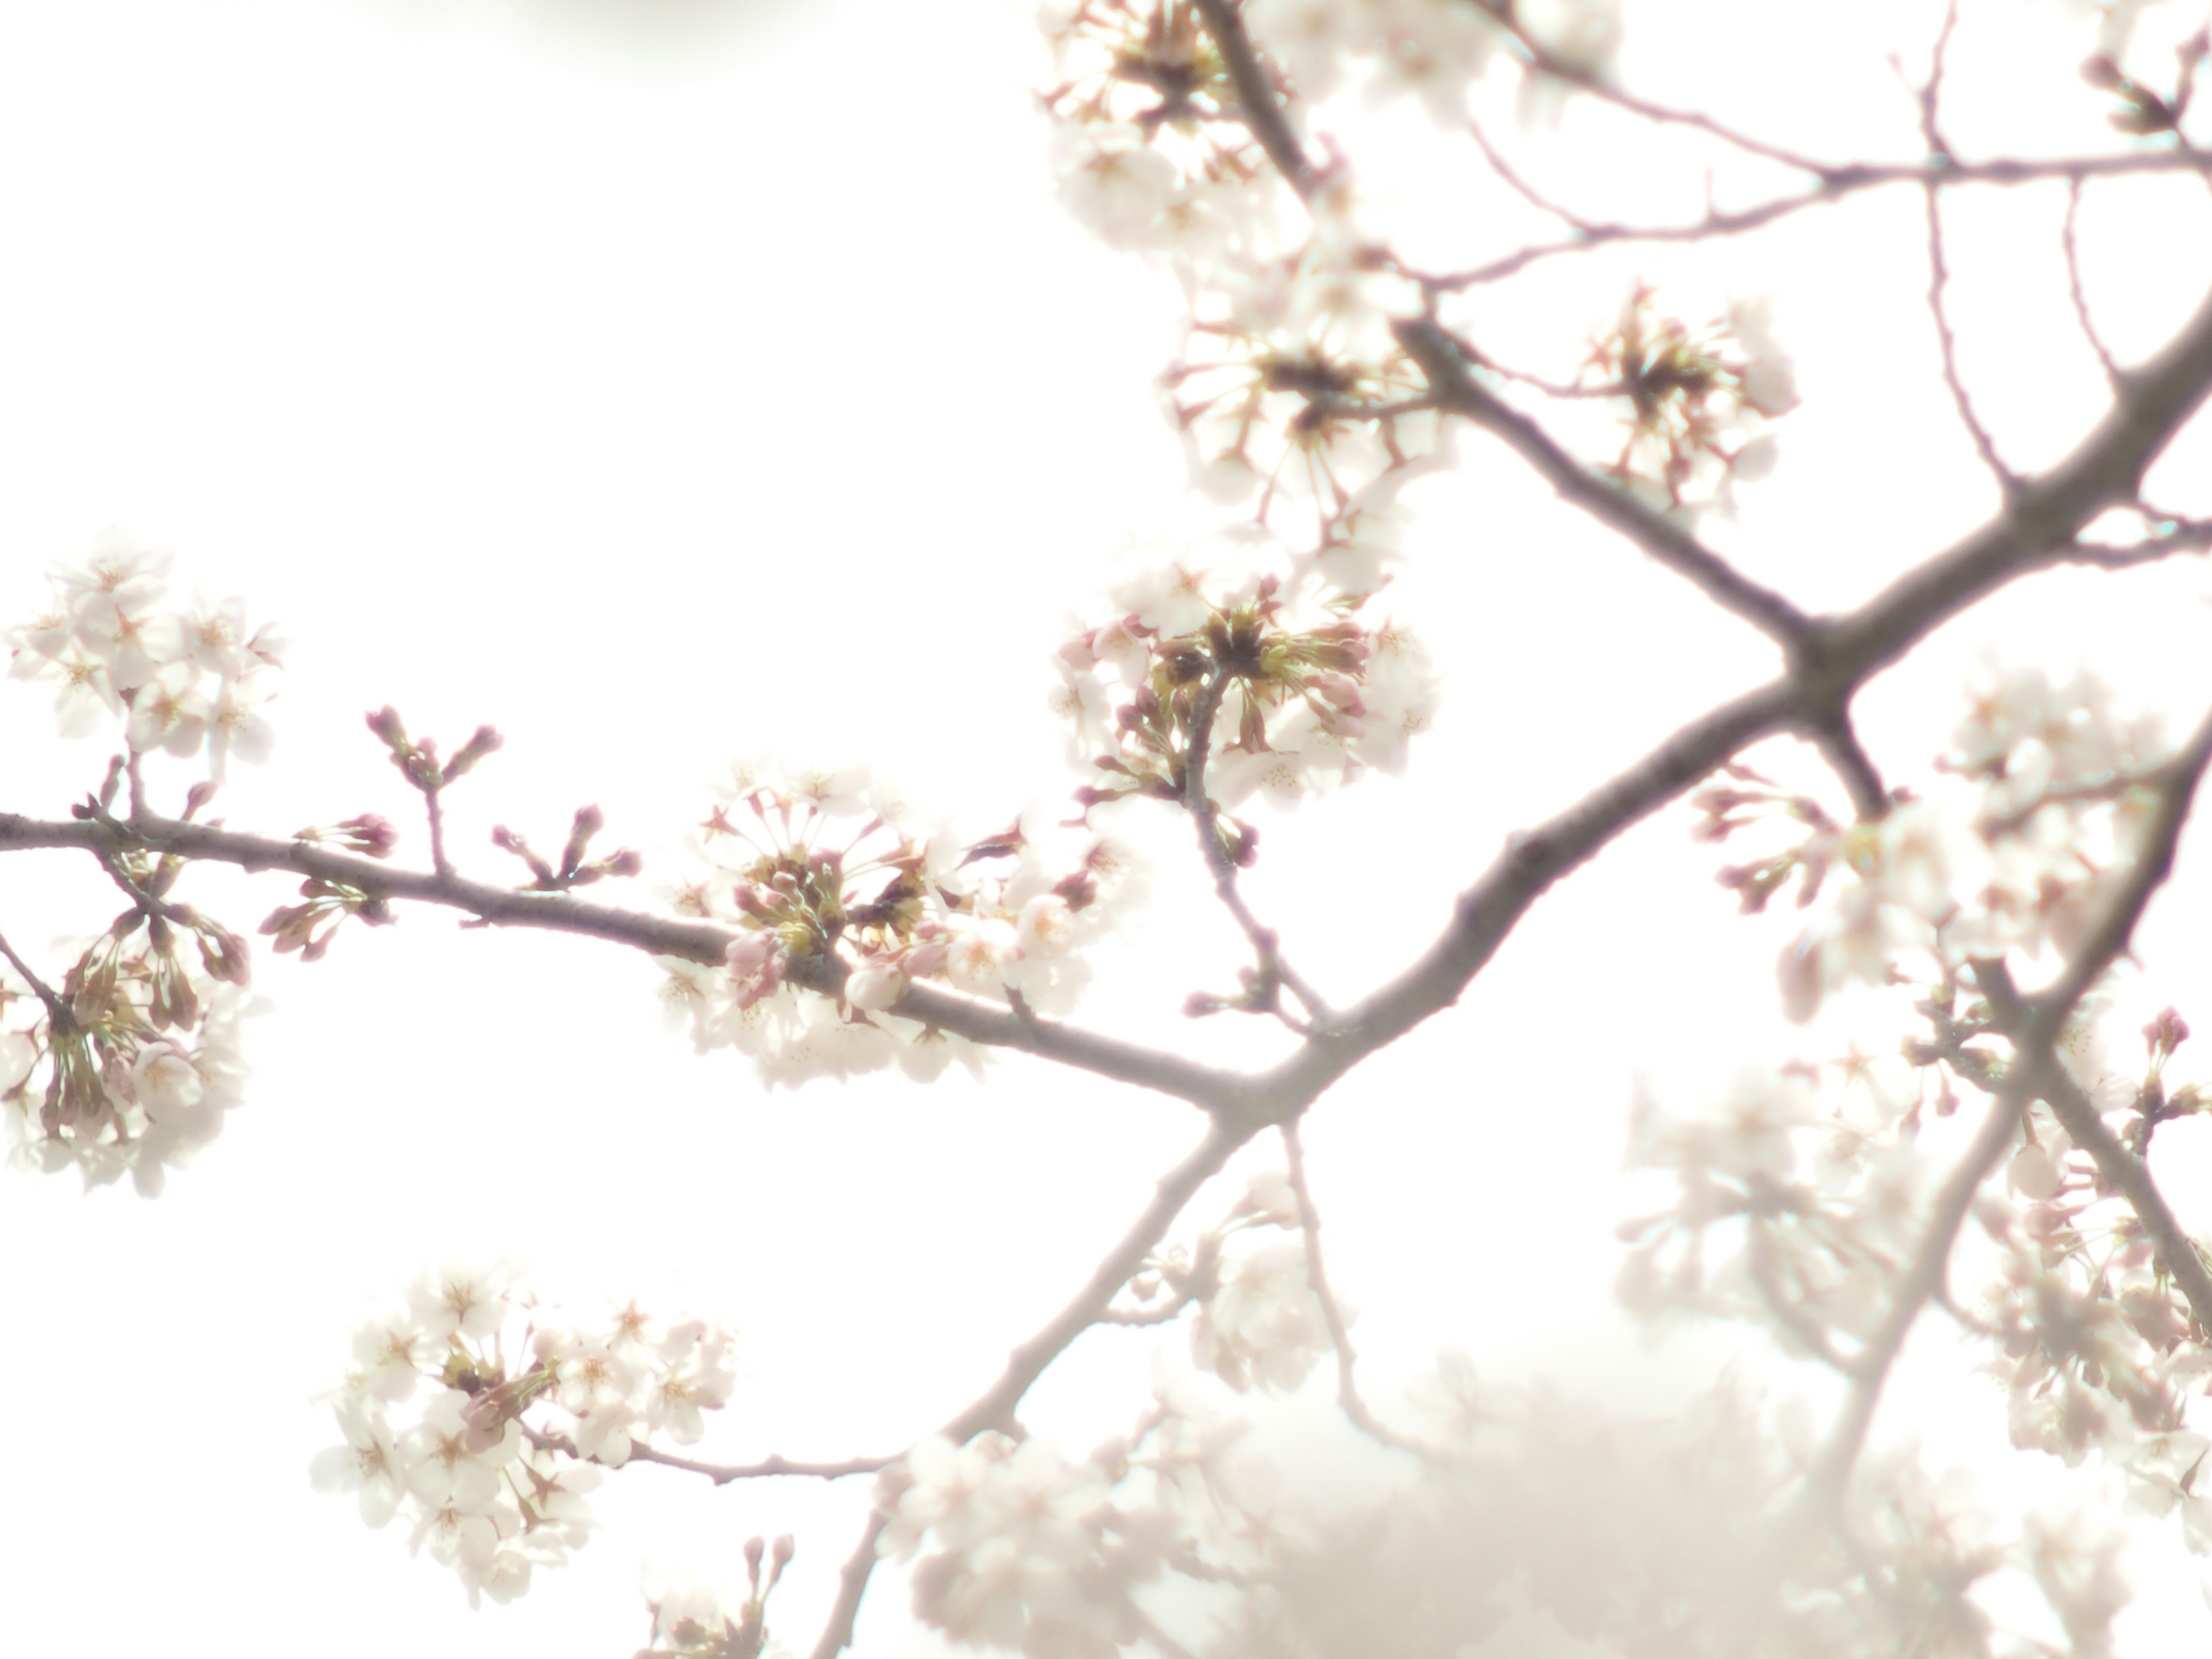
(1540, 57)
(2130, 1176)
(2179, 536)
(1347, 1388)
(1836, 185)
(693, 941)
(1939, 277)
(852, 1586)
(1265, 941)
(2113, 375)
(1520, 186)
(768, 1468)
(1445, 364)
(1257, 106)
(57, 1012)
(994, 1409)
(720, 1473)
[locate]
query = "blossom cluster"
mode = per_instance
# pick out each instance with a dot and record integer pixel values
(1795, 1205)
(1022, 1548)
(483, 1419)
(1799, 1204)
(1291, 386)
(180, 680)
(840, 901)
(1698, 404)
(1258, 1323)
(2053, 786)
(131, 1064)
(1294, 688)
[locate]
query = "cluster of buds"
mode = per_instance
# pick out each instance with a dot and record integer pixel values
(574, 869)
(693, 1620)
(181, 681)
(1291, 697)
(1697, 402)
(308, 928)
(472, 1414)
(1750, 798)
(841, 903)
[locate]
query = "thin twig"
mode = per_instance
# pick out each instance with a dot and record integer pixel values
(994, 1409)
(1445, 363)
(1540, 57)
(1265, 941)
(720, 1473)
(1939, 277)
(1340, 1335)
(852, 1586)
(1520, 186)
(1835, 187)
(2113, 375)
(57, 1012)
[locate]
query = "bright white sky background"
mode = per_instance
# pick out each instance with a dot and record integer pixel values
(665, 391)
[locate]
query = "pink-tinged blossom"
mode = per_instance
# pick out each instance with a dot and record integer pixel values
(464, 1301)
(164, 1081)
(392, 1353)
(368, 1463)
(875, 986)
(84, 695)
(238, 726)
(1262, 1325)
(117, 568)
(216, 638)
(135, 645)
(1112, 180)
(168, 713)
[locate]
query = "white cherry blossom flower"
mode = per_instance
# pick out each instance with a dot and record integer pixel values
(368, 1463)
(168, 712)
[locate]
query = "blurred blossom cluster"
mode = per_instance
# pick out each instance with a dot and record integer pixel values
(481, 1418)
(1811, 1186)
(1698, 404)
(178, 680)
(695, 1619)
(1024, 1548)
(841, 901)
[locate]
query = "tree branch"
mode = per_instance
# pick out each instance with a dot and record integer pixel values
(694, 941)
(994, 1409)
(1265, 941)
(1836, 186)
(2036, 1024)
(1446, 366)
(1347, 1388)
